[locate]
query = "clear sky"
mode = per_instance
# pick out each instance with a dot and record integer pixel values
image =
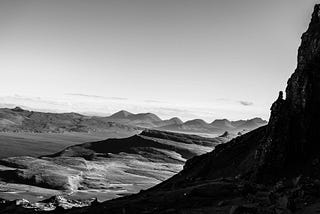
(187, 58)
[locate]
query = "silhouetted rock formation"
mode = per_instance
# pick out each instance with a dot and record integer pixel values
(288, 145)
(293, 133)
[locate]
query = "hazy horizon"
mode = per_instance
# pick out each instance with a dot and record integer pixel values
(160, 112)
(190, 59)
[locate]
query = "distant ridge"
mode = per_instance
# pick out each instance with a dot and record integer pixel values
(223, 123)
(19, 119)
(196, 122)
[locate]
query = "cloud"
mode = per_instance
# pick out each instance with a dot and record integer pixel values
(245, 103)
(223, 100)
(98, 97)
(153, 101)
(230, 101)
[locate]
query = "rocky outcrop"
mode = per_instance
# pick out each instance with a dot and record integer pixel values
(289, 145)
(292, 140)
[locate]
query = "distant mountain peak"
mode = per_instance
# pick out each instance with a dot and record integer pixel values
(195, 122)
(147, 115)
(121, 114)
(222, 120)
(176, 120)
(222, 123)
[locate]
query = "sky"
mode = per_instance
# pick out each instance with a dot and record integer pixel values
(189, 58)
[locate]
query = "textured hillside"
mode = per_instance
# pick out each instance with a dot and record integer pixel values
(104, 169)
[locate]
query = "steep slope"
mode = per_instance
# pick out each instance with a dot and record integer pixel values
(293, 130)
(288, 145)
(248, 125)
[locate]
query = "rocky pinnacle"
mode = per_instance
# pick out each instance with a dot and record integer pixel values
(293, 132)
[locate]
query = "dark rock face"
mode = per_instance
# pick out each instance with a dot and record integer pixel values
(288, 146)
(294, 130)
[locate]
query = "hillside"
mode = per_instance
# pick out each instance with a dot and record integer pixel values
(105, 169)
(20, 120)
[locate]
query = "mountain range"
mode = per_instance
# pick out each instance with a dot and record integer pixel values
(150, 120)
(21, 120)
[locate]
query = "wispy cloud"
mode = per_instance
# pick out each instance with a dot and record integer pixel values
(242, 102)
(153, 101)
(96, 96)
(245, 103)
